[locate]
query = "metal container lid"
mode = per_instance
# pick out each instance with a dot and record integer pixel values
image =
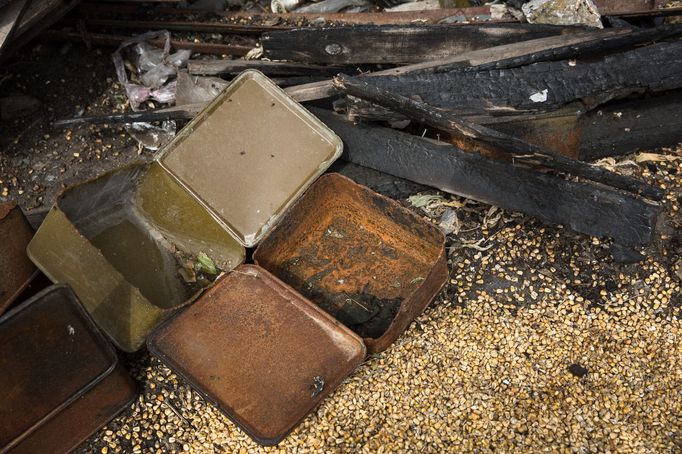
(258, 350)
(250, 154)
(51, 353)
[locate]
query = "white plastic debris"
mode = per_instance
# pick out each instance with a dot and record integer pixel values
(151, 68)
(540, 96)
(150, 136)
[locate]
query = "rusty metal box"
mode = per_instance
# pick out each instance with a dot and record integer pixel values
(262, 351)
(61, 380)
(362, 257)
(16, 270)
(259, 351)
(122, 240)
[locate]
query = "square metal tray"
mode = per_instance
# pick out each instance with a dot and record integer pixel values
(61, 379)
(259, 351)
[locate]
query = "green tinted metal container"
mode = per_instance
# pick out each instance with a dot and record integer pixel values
(123, 240)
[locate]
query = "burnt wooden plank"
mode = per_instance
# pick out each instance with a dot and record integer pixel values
(617, 128)
(584, 207)
(636, 7)
(325, 89)
(101, 39)
(547, 85)
(521, 151)
(396, 44)
(582, 49)
(269, 68)
(629, 126)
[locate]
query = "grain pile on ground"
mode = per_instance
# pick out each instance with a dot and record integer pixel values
(539, 342)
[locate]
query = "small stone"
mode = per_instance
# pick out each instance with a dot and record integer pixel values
(577, 370)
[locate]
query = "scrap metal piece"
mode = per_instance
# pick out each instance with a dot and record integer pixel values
(263, 354)
(122, 240)
(61, 377)
(119, 241)
(250, 154)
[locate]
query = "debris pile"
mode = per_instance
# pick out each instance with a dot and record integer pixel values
(523, 291)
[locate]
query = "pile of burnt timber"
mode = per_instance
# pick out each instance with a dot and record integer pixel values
(504, 113)
(510, 129)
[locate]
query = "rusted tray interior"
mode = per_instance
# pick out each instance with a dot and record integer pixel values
(259, 351)
(16, 270)
(250, 154)
(360, 256)
(50, 355)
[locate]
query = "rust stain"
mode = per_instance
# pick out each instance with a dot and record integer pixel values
(259, 351)
(352, 251)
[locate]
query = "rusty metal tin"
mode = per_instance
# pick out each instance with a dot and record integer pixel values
(60, 378)
(259, 351)
(370, 262)
(120, 242)
(250, 154)
(16, 270)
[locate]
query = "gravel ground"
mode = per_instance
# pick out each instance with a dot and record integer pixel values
(540, 342)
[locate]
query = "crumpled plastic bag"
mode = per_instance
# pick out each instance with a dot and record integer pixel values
(150, 136)
(151, 66)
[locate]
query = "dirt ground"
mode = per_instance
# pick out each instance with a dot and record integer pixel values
(539, 342)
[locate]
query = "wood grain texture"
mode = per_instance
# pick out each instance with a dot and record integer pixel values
(396, 44)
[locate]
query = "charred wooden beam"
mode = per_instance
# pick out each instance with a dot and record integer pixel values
(10, 16)
(582, 49)
(583, 206)
(547, 85)
(396, 44)
(521, 151)
(269, 68)
(325, 89)
(185, 112)
(475, 14)
(181, 26)
(115, 40)
(617, 128)
(37, 17)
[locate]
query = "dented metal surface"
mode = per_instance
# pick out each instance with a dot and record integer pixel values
(120, 241)
(370, 262)
(16, 270)
(61, 378)
(259, 351)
